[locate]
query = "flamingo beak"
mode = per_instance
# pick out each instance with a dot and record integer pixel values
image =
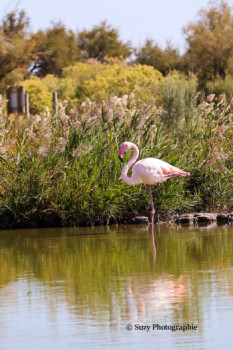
(121, 153)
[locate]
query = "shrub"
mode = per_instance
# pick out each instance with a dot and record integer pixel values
(179, 98)
(100, 81)
(39, 95)
(221, 86)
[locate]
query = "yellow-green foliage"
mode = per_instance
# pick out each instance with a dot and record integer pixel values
(143, 81)
(52, 82)
(39, 95)
(99, 81)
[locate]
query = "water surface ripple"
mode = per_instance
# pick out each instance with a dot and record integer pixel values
(81, 288)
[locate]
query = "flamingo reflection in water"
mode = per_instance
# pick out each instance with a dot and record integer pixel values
(154, 296)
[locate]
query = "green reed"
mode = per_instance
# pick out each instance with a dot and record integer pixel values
(64, 170)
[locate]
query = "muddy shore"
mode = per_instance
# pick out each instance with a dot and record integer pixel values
(7, 223)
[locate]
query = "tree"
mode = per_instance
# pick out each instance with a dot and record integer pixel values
(15, 23)
(15, 46)
(55, 49)
(163, 60)
(102, 41)
(210, 41)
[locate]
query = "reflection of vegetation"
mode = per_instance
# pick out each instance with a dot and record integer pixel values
(97, 270)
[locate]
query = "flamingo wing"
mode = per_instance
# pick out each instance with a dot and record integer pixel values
(172, 171)
(153, 171)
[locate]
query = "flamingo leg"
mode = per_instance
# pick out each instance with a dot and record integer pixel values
(152, 221)
(152, 204)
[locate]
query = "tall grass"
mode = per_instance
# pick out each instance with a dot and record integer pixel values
(63, 169)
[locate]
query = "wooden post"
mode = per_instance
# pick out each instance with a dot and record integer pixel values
(55, 102)
(26, 105)
(16, 100)
(21, 99)
(12, 96)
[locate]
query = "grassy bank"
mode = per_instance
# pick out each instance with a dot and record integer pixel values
(64, 169)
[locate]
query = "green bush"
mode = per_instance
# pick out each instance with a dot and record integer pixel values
(221, 86)
(98, 82)
(179, 101)
(40, 98)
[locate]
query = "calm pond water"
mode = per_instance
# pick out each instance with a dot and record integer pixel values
(79, 288)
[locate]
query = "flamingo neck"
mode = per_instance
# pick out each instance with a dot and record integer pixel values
(124, 176)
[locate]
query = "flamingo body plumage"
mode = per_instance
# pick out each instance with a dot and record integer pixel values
(148, 170)
(154, 171)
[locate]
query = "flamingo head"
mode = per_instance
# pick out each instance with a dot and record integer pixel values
(124, 147)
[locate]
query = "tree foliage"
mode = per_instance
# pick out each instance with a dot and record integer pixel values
(55, 49)
(101, 41)
(163, 60)
(15, 47)
(210, 41)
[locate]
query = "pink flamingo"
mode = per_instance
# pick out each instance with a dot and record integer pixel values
(148, 171)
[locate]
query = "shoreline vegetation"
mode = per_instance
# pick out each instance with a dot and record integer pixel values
(63, 170)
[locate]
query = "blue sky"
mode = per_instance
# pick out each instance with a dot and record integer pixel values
(135, 20)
